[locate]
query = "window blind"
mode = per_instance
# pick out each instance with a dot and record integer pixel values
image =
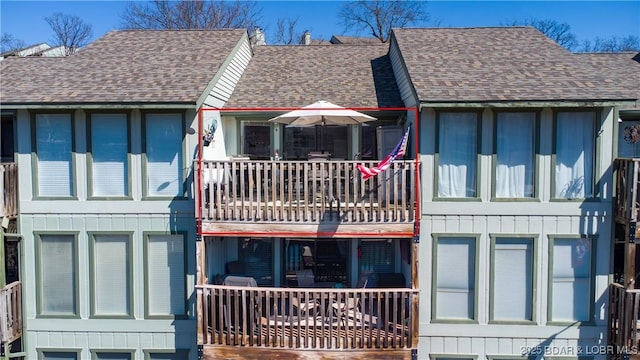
(166, 278)
(58, 275)
(54, 151)
(164, 154)
(112, 281)
(513, 279)
(109, 150)
(455, 278)
(571, 280)
(575, 143)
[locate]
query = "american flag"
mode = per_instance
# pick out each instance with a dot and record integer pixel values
(383, 165)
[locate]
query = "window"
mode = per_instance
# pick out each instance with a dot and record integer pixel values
(574, 156)
(111, 280)
(7, 147)
(54, 149)
(326, 258)
(112, 356)
(59, 355)
(165, 274)
(163, 146)
(515, 151)
(455, 278)
(178, 355)
(376, 257)
(629, 139)
(457, 154)
(512, 275)
(256, 139)
(257, 259)
(571, 280)
(109, 155)
(58, 279)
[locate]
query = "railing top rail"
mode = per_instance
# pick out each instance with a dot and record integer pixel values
(11, 285)
(319, 290)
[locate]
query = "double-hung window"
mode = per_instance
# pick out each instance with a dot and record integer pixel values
(164, 155)
(54, 151)
(571, 279)
(574, 155)
(109, 155)
(515, 154)
(457, 154)
(165, 275)
(455, 278)
(57, 275)
(512, 279)
(111, 275)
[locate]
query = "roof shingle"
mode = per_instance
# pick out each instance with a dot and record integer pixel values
(294, 76)
(128, 66)
(497, 64)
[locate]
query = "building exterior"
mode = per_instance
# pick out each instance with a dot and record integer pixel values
(161, 215)
(103, 154)
(516, 228)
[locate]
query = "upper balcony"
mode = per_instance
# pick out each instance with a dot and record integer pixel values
(9, 190)
(313, 196)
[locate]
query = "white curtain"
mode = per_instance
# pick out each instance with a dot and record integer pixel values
(109, 151)
(513, 279)
(515, 155)
(54, 149)
(575, 144)
(166, 279)
(455, 278)
(457, 154)
(112, 280)
(164, 154)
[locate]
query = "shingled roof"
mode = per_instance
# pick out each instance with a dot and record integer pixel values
(128, 66)
(497, 64)
(298, 75)
(617, 69)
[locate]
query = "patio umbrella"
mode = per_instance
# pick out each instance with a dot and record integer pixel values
(322, 113)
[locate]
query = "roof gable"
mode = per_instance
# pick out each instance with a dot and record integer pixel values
(496, 64)
(295, 76)
(128, 66)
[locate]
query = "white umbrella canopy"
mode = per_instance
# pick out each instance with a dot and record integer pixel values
(322, 113)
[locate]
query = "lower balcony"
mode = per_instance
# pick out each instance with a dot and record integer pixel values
(258, 322)
(11, 313)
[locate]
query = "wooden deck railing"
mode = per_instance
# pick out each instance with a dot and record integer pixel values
(8, 190)
(273, 318)
(11, 312)
(306, 191)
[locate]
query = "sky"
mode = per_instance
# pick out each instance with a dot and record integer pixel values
(24, 19)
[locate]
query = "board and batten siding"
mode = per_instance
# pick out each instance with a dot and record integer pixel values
(137, 334)
(402, 77)
(541, 219)
(84, 216)
(236, 63)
